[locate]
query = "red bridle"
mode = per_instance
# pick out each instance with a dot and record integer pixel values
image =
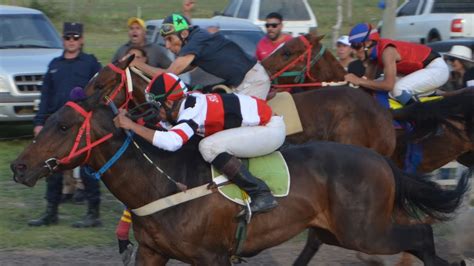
(85, 128)
(123, 85)
(307, 54)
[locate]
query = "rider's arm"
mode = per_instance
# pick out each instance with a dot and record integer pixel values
(180, 64)
(389, 59)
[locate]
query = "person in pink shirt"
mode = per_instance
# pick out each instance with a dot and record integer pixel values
(274, 37)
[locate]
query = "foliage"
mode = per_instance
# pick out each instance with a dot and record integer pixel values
(49, 8)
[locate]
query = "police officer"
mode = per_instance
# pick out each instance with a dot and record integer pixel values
(73, 69)
(215, 54)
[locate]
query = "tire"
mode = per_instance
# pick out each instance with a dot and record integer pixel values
(433, 36)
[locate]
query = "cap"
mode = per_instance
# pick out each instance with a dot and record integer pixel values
(344, 39)
(139, 21)
(363, 32)
(166, 86)
(72, 28)
(460, 52)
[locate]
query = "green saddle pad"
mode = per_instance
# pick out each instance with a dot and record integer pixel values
(270, 168)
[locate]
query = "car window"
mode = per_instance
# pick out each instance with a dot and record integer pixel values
(289, 9)
(423, 5)
(229, 11)
(244, 9)
(409, 9)
(453, 6)
(27, 30)
(150, 29)
(247, 40)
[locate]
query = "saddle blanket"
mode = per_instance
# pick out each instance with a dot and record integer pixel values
(387, 102)
(284, 105)
(271, 168)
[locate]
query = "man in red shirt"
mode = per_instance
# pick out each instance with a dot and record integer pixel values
(422, 70)
(274, 37)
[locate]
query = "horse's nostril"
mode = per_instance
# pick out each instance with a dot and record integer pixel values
(19, 167)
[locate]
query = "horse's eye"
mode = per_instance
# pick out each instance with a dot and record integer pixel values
(63, 128)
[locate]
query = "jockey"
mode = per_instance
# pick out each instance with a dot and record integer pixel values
(195, 47)
(424, 70)
(233, 125)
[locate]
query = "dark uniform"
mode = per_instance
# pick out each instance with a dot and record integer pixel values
(62, 76)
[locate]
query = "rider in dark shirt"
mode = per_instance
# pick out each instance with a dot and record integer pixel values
(195, 47)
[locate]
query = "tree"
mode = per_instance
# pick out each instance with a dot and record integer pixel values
(388, 30)
(336, 28)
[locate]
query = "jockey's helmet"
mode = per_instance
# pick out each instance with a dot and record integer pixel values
(173, 24)
(166, 86)
(362, 32)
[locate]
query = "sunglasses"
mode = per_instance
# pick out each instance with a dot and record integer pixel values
(271, 25)
(74, 37)
(357, 46)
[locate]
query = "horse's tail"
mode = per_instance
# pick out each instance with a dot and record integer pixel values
(417, 197)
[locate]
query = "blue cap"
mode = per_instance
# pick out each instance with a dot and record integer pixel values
(363, 32)
(72, 28)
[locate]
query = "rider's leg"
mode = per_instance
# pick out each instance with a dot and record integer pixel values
(220, 149)
(423, 81)
(256, 83)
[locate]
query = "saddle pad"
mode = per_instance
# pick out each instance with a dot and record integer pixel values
(284, 105)
(396, 105)
(271, 168)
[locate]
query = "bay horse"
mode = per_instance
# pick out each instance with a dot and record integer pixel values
(454, 146)
(346, 194)
(344, 115)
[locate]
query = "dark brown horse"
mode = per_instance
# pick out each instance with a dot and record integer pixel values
(346, 194)
(343, 115)
(443, 129)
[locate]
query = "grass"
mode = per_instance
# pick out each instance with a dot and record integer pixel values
(21, 203)
(105, 31)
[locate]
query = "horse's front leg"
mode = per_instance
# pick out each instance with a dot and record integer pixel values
(147, 256)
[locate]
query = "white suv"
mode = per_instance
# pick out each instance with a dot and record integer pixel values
(298, 18)
(28, 42)
(427, 21)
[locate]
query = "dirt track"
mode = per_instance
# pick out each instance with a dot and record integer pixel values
(280, 255)
(454, 241)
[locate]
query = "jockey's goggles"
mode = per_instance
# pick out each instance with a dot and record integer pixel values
(167, 29)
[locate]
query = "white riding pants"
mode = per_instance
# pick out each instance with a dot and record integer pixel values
(256, 83)
(423, 81)
(245, 142)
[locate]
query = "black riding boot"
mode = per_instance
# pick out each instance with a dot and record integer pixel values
(91, 219)
(262, 198)
(49, 217)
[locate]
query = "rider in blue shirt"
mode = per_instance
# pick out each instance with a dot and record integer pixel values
(196, 47)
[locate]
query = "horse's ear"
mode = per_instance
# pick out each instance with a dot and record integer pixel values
(314, 37)
(125, 61)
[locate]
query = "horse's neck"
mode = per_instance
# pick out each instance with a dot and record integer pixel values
(136, 182)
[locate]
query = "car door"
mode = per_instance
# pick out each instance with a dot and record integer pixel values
(406, 20)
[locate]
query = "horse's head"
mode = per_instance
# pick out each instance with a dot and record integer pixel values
(65, 141)
(308, 55)
(116, 81)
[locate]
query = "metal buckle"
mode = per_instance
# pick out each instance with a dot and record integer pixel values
(51, 164)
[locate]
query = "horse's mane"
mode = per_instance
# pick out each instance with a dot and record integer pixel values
(429, 116)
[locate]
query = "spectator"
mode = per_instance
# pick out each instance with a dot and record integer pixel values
(140, 54)
(137, 38)
(344, 51)
(274, 37)
(462, 66)
(188, 8)
(73, 69)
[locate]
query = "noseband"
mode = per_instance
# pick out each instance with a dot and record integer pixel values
(53, 163)
(306, 71)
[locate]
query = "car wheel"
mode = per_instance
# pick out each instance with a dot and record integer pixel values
(433, 37)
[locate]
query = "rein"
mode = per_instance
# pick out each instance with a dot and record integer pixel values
(305, 72)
